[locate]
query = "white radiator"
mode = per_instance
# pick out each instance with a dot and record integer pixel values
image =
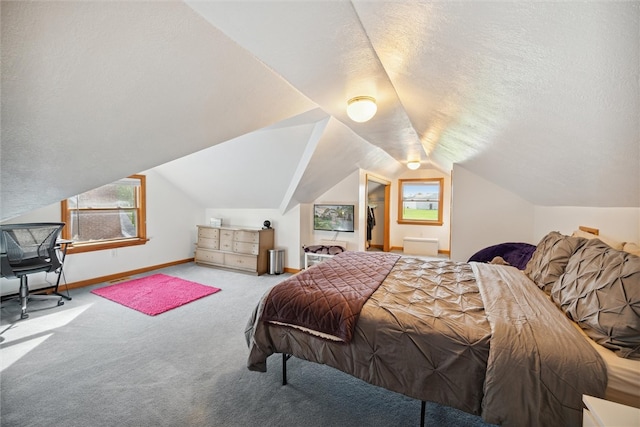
(420, 246)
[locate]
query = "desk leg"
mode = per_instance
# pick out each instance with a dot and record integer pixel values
(60, 272)
(67, 296)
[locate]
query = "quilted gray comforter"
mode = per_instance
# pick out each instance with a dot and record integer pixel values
(484, 340)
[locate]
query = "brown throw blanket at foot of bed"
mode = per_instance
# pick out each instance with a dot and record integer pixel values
(328, 297)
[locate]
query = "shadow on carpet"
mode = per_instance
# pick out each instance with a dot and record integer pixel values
(318, 395)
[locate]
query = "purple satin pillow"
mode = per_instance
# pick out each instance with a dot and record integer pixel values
(516, 254)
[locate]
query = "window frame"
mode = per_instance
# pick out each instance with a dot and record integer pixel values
(141, 211)
(401, 219)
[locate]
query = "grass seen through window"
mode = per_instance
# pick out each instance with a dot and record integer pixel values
(420, 214)
(420, 201)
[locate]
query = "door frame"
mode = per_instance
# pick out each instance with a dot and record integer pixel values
(386, 245)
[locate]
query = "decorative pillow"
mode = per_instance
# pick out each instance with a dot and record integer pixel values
(334, 250)
(600, 290)
(513, 253)
(550, 259)
(609, 241)
(316, 249)
(322, 249)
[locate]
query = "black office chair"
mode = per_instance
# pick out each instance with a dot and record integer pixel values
(26, 249)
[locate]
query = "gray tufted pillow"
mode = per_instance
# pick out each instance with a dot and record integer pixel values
(600, 290)
(550, 258)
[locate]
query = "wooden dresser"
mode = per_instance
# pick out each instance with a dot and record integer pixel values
(238, 248)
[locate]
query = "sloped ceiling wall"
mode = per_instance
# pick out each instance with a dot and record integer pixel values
(94, 91)
(540, 98)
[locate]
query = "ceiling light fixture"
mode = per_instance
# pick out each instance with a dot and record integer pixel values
(413, 165)
(361, 108)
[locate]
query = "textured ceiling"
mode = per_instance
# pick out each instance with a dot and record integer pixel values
(540, 98)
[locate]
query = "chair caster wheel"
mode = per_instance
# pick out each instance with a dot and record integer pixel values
(24, 316)
(60, 303)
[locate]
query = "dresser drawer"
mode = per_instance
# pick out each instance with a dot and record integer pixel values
(226, 234)
(246, 236)
(244, 262)
(208, 233)
(211, 257)
(226, 245)
(226, 240)
(205, 242)
(246, 248)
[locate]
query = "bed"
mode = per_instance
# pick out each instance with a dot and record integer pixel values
(518, 347)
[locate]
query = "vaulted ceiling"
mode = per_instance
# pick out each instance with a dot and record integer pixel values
(242, 104)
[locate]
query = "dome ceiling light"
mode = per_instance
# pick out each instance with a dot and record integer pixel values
(361, 108)
(413, 165)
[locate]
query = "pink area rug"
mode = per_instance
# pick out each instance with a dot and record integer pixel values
(155, 294)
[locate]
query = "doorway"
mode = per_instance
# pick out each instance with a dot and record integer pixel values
(378, 211)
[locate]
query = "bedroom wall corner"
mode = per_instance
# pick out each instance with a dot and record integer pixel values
(485, 214)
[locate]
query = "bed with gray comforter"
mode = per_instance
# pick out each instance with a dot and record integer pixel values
(479, 337)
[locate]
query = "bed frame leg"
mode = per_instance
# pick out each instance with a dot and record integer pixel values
(285, 357)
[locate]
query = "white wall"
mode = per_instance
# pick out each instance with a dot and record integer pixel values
(400, 231)
(306, 230)
(621, 224)
(484, 214)
(171, 228)
(345, 192)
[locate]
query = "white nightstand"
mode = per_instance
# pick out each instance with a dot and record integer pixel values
(601, 413)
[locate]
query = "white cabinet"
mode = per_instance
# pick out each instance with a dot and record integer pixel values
(601, 413)
(242, 249)
(311, 258)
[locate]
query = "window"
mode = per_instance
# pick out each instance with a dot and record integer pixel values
(420, 201)
(107, 217)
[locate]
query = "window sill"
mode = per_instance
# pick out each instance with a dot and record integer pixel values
(416, 222)
(76, 248)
